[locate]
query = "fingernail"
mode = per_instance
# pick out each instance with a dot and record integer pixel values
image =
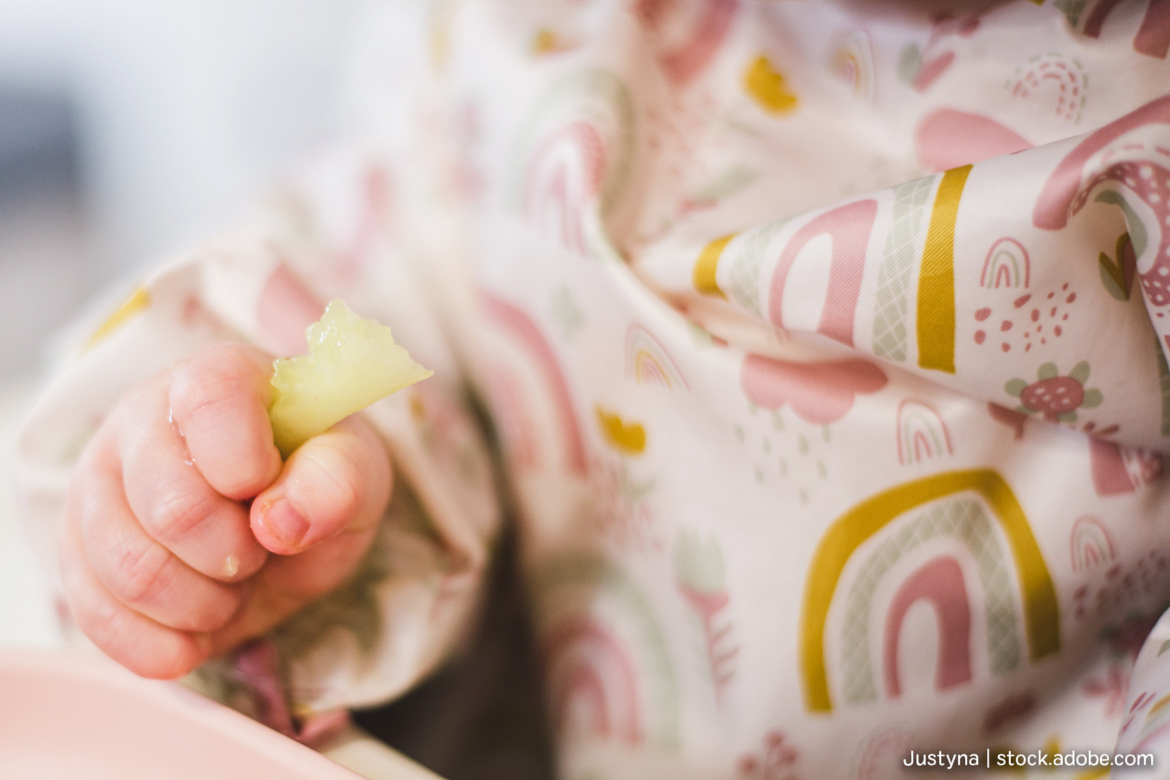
(285, 522)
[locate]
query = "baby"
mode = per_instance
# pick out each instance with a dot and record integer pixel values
(825, 342)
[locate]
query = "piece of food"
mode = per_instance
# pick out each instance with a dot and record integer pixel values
(351, 363)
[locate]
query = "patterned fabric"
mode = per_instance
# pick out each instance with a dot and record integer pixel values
(826, 343)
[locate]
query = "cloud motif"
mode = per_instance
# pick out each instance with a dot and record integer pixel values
(819, 393)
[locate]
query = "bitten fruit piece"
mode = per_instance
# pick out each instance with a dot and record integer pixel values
(351, 363)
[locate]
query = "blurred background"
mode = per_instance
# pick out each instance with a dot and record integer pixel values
(129, 128)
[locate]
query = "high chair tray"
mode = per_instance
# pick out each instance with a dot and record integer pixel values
(64, 717)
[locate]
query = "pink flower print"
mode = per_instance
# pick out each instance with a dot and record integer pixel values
(1053, 396)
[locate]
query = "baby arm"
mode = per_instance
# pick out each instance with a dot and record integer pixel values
(185, 534)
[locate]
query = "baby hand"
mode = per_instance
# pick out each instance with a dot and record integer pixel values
(179, 500)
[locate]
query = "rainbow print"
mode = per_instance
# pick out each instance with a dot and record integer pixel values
(1007, 265)
(593, 679)
(703, 275)
(965, 520)
(609, 672)
(1089, 544)
(853, 64)
(563, 182)
(936, 276)
(647, 361)
(517, 430)
(939, 583)
(524, 332)
(922, 434)
(849, 227)
(743, 260)
(1041, 615)
(895, 275)
(1060, 78)
(574, 159)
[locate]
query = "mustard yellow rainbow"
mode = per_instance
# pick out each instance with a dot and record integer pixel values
(936, 276)
(851, 530)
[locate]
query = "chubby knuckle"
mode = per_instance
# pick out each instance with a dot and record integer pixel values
(238, 357)
(101, 622)
(157, 659)
(204, 386)
(179, 512)
(215, 614)
(245, 473)
(143, 573)
(106, 626)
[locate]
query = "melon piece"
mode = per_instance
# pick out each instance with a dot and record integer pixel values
(351, 364)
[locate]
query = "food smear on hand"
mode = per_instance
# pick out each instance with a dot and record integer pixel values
(351, 363)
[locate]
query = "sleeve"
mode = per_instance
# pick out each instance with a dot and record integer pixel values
(1145, 726)
(334, 230)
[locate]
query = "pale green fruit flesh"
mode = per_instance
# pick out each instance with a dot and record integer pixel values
(351, 364)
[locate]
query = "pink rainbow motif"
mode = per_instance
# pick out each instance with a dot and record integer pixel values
(521, 444)
(1089, 544)
(1007, 265)
(592, 675)
(1064, 75)
(525, 331)
(648, 362)
(849, 227)
(564, 180)
(940, 583)
(922, 434)
(853, 64)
